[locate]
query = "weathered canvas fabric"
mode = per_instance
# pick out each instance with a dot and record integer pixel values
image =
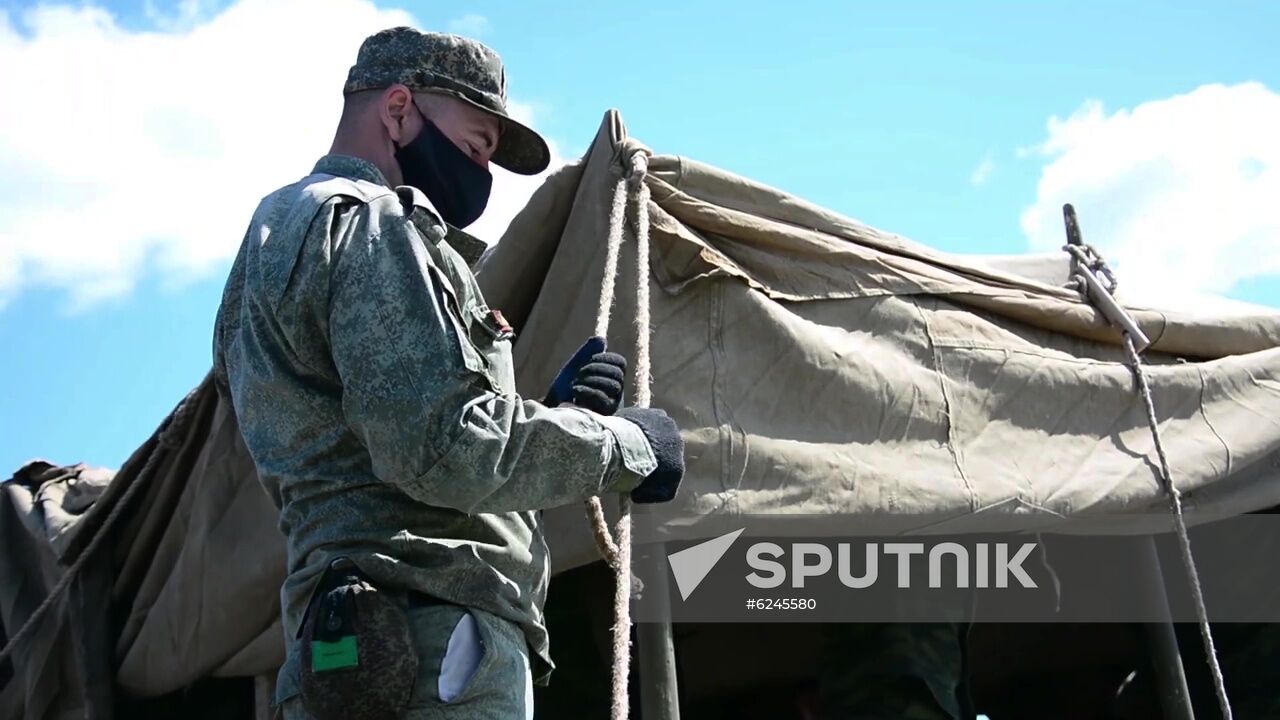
(185, 585)
(818, 367)
(822, 367)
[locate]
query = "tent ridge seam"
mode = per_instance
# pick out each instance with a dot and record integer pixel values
(1226, 449)
(952, 450)
(715, 342)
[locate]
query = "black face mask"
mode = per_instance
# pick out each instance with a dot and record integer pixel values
(452, 181)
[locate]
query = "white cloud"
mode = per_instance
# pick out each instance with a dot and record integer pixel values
(472, 25)
(132, 153)
(1179, 194)
(982, 173)
(182, 17)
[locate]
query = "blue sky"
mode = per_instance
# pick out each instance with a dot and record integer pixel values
(932, 120)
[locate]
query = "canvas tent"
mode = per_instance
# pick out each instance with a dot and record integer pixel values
(827, 368)
(817, 366)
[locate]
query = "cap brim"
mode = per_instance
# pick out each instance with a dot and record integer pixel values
(520, 149)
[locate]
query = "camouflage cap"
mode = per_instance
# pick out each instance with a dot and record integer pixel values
(451, 65)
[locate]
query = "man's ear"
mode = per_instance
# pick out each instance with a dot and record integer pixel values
(394, 112)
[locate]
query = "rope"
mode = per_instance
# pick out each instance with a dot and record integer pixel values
(616, 548)
(613, 248)
(644, 383)
(617, 219)
(1184, 540)
(176, 420)
(1086, 254)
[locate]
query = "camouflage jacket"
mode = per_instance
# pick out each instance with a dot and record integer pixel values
(375, 392)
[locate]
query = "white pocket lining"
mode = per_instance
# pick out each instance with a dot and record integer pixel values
(461, 658)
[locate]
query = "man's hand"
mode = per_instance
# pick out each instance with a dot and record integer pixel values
(598, 385)
(592, 379)
(668, 447)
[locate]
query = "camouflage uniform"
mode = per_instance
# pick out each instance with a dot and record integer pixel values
(375, 391)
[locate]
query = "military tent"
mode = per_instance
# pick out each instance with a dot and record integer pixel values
(817, 366)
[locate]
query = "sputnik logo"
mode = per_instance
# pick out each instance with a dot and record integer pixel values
(691, 565)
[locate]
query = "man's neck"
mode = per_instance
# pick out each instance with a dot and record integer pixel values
(386, 165)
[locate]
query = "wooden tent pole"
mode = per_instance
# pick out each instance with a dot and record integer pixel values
(1162, 644)
(659, 695)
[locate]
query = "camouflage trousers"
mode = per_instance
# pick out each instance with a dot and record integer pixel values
(472, 665)
(893, 671)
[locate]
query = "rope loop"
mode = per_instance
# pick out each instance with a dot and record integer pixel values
(1088, 256)
(639, 166)
(615, 547)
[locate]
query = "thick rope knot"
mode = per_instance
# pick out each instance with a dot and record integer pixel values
(639, 166)
(615, 547)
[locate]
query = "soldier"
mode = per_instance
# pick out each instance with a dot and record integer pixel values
(374, 389)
